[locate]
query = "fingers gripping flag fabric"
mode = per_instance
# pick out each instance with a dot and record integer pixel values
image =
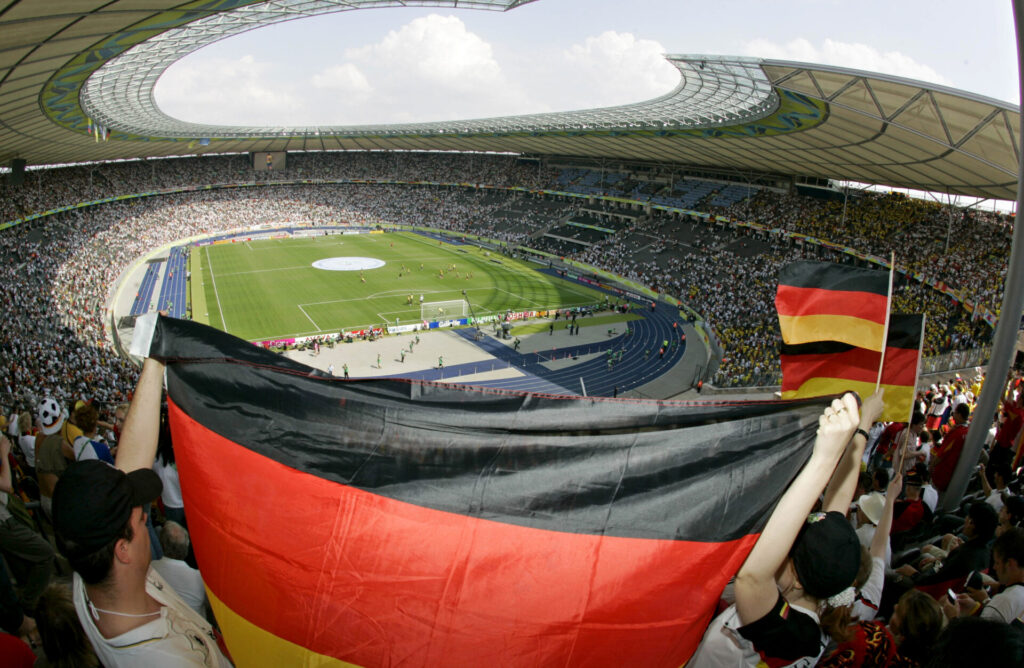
(830, 367)
(822, 301)
(398, 523)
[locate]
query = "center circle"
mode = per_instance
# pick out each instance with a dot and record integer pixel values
(348, 263)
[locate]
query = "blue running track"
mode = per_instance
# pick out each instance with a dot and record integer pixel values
(145, 294)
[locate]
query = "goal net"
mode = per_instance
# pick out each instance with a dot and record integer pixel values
(456, 308)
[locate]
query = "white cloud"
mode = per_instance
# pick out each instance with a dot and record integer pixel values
(619, 68)
(846, 54)
(431, 68)
(346, 78)
(435, 49)
(603, 70)
(234, 92)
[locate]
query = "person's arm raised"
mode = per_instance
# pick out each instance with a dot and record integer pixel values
(986, 486)
(881, 538)
(841, 488)
(6, 482)
(137, 446)
(755, 588)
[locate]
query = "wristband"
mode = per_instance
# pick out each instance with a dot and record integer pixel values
(862, 433)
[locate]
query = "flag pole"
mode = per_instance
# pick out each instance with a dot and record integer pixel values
(917, 371)
(917, 376)
(888, 311)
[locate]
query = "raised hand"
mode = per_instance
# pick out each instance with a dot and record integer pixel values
(836, 426)
(872, 409)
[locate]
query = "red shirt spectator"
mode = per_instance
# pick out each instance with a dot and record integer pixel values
(946, 456)
(1013, 418)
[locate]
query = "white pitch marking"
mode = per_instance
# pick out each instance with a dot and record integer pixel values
(310, 319)
(213, 279)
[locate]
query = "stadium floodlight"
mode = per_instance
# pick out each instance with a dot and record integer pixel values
(446, 310)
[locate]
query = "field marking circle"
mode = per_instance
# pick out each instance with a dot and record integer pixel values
(348, 263)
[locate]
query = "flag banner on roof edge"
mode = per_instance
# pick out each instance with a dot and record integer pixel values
(823, 301)
(830, 367)
(386, 521)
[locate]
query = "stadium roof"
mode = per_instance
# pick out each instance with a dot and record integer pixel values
(68, 66)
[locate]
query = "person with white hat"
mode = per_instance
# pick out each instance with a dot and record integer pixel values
(869, 511)
(50, 459)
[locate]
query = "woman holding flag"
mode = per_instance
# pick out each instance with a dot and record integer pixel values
(804, 563)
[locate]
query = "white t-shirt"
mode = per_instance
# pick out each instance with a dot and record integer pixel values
(723, 645)
(995, 499)
(866, 533)
(184, 580)
(1007, 606)
(177, 637)
(930, 496)
(865, 608)
(85, 449)
(28, 448)
(168, 473)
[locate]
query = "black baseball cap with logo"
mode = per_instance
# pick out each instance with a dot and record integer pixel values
(93, 501)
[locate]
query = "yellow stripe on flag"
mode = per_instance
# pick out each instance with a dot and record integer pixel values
(252, 646)
(898, 398)
(846, 329)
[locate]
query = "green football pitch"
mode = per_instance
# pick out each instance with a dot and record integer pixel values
(269, 289)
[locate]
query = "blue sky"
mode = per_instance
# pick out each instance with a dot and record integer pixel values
(400, 65)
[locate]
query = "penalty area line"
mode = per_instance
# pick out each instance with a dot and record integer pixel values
(310, 319)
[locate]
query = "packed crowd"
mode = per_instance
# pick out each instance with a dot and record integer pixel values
(706, 269)
(966, 249)
(856, 565)
(64, 389)
(61, 268)
(60, 272)
(47, 189)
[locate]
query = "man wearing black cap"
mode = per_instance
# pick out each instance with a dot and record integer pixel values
(131, 616)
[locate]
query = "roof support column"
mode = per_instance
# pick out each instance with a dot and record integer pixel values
(1005, 338)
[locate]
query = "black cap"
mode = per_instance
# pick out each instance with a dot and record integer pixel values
(826, 554)
(93, 501)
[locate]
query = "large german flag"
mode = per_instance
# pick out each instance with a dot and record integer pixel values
(822, 301)
(830, 367)
(391, 522)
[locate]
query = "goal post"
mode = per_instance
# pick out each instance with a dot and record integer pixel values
(455, 308)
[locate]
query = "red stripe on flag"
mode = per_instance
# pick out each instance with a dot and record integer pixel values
(855, 364)
(375, 581)
(794, 301)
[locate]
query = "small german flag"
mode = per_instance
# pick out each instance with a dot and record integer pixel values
(822, 301)
(830, 367)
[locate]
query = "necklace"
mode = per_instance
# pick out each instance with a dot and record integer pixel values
(95, 612)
